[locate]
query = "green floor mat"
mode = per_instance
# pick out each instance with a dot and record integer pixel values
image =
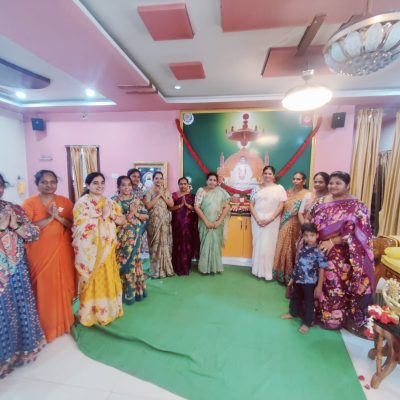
(221, 337)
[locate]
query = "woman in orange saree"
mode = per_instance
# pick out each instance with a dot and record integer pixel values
(51, 258)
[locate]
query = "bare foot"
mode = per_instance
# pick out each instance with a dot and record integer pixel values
(304, 329)
(287, 316)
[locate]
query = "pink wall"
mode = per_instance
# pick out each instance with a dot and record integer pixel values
(123, 139)
(334, 147)
(126, 137)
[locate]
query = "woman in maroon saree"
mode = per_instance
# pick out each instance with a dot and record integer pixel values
(345, 234)
(185, 234)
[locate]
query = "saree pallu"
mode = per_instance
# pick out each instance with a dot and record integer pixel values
(94, 242)
(129, 239)
(51, 264)
(289, 233)
(185, 234)
(211, 240)
(349, 279)
(159, 236)
(21, 336)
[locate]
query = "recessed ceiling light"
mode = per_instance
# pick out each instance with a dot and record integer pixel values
(20, 95)
(90, 92)
(177, 87)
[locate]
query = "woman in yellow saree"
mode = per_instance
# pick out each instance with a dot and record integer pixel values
(94, 242)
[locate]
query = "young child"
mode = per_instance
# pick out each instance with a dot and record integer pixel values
(307, 277)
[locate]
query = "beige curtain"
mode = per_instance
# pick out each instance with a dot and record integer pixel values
(389, 217)
(90, 154)
(379, 187)
(76, 162)
(365, 154)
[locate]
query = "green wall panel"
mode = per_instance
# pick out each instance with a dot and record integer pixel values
(282, 135)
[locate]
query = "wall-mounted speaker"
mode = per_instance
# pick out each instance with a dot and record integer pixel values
(338, 120)
(38, 124)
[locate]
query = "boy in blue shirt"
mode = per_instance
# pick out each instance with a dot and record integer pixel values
(307, 277)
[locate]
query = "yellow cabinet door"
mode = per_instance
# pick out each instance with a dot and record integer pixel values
(234, 243)
(247, 238)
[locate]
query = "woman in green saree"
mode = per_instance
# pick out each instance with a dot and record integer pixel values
(212, 206)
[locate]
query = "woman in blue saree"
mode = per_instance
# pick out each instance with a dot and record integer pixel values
(21, 336)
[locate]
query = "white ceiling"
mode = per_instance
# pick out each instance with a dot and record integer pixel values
(232, 61)
(63, 87)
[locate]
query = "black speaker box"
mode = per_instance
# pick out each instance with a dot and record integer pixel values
(338, 120)
(38, 124)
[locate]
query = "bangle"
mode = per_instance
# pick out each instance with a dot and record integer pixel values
(16, 228)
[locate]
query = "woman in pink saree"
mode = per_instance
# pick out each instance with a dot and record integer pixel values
(345, 234)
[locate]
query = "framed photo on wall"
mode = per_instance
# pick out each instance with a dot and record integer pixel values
(237, 144)
(147, 170)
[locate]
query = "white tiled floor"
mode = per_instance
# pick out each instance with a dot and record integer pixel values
(63, 372)
(389, 388)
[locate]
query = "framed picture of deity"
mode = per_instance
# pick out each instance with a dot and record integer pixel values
(148, 168)
(237, 144)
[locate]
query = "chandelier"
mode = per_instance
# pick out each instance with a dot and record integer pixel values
(308, 96)
(365, 45)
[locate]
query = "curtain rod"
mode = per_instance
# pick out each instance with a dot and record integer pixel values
(82, 145)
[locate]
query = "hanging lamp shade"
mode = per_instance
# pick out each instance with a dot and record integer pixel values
(308, 96)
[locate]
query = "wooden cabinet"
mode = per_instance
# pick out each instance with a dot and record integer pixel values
(239, 241)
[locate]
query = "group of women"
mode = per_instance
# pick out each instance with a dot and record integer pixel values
(52, 250)
(345, 236)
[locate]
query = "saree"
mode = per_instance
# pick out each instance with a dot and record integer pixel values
(159, 238)
(51, 264)
(129, 238)
(266, 201)
(94, 242)
(349, 279)
(289, 233)
(211, 240)
(185, 234)
(21, 336)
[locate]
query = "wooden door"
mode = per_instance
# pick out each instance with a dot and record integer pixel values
(247, 238)
(234, 244)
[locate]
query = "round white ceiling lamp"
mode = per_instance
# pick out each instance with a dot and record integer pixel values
(90, 92)
(308, 96)
(20, 95)
(177, 87)
(366, 45)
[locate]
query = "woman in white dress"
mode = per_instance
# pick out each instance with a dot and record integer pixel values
(266, 206)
